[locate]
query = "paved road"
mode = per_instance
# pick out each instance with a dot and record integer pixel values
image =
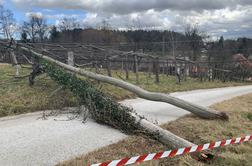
(27, 141)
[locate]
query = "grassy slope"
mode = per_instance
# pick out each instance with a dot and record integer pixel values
(195, 130)
(17, 97)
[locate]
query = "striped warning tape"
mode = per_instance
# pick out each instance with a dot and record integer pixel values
(176, 152)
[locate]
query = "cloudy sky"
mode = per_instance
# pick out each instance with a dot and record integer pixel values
(230, 18)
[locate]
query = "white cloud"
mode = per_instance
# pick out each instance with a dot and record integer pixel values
(214, 17)
(36, 14)
(211, 21)
(129, 6)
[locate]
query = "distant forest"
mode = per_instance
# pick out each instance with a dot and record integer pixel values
(191, 43)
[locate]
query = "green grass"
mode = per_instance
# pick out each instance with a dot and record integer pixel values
(166, 85)
(17, 97)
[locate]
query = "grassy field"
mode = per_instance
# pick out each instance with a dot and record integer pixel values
(193, 129)
(17, 97)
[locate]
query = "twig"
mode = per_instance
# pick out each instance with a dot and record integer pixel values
(55, 91)
(87, 64)
(30, 62)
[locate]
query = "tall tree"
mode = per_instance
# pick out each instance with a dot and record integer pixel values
(8, 25)
(195, 40)
(36, 28)
(68, 23)
(66, 26)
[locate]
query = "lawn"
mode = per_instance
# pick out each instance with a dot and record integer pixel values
(194, 129)
(17, 97)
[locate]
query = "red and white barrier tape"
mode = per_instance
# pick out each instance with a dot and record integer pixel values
(176, 152)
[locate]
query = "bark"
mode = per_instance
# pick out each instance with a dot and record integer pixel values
(164, 136)
(193, 108)
(36, 71)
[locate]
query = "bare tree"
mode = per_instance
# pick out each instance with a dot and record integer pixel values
(106, 31)
(42, 28)
(68, 23)
(8, 25)
(104, 25)
(35, 28)
(195, 39)
(69, 27)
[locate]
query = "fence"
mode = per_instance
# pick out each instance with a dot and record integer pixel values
(104, 58)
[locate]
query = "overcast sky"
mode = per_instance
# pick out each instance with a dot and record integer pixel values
(230, 18)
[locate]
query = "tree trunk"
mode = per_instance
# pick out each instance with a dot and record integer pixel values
(164, 136)
(193, 108)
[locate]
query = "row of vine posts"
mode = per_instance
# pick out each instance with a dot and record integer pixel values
(123, 64)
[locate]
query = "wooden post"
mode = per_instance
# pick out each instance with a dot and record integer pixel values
(136, 68)
(163, 68)
(149, 69)
(15, 63)
(127, 68)
(186, 70)
(167, 68)
(178, 73)
(70, 58)
(210, 74)
(157, 69)
(163, 46)
(96, 67)
(122, 67)
(109, 67)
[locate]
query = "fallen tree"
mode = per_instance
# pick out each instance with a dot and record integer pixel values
(106, 111)
(193, 108)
